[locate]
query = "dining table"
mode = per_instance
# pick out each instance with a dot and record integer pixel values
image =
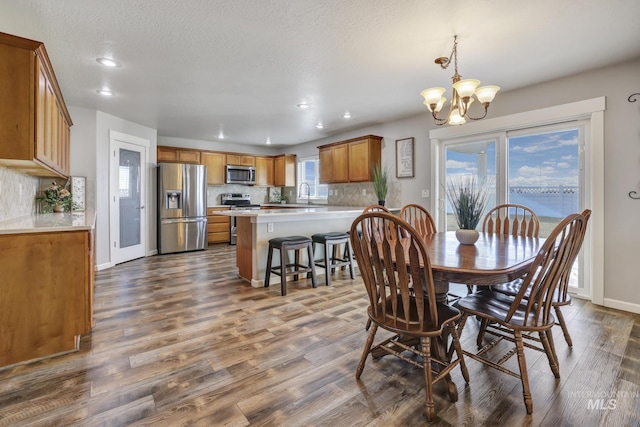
(493, 259)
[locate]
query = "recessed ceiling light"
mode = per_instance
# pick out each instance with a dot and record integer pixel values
(107, 62)
(221, 135)
(268, 141)
(105, 92)
(320, 125)
(346, 115)
(304, 105)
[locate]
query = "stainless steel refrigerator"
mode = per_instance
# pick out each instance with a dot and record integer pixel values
(182, 207)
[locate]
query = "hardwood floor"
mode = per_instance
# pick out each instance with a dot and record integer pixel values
(180, 340)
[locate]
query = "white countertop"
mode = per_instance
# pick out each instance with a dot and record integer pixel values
(66, 221)
(306, 213)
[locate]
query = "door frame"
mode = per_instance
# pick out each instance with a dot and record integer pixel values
(591, 110)
(115, 139)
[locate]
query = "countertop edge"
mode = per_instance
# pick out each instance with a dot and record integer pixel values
(51, 222)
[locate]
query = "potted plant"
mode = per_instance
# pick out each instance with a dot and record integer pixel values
(380, 183)
(55, 198)
(468, 199)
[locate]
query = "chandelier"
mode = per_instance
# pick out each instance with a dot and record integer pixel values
(462, 97)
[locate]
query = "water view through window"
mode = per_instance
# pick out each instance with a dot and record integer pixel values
(542, 172)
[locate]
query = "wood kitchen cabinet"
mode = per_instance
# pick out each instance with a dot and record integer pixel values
(216, 167)
(218, 226)
(351, 160)
(334, 164)
(264, 171)
(284, 171)
(241, 160)
(34, 130)
(47, 293)
(177, 155)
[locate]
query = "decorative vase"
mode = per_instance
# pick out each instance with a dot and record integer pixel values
(467, 237)
(58, 207)
(381, 202)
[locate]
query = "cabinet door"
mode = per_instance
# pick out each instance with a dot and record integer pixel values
(359, 161)
(189, 156)
(264, 171)
(215, 163)
(341, 158)
(326, 165)
(241, 160)
(167, 154)
(285, 170)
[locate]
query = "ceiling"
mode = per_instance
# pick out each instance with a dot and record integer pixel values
(194, 68)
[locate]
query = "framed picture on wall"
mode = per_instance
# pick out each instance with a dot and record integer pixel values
(404, 158)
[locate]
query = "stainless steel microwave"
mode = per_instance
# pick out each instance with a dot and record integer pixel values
(237, 174)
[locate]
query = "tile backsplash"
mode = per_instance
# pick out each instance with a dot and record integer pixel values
(17, 194)
(351, 194)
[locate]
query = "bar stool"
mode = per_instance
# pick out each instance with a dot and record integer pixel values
(331, 260)
(285, 244)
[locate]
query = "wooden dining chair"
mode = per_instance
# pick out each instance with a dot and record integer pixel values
(561, 296)
(512, 316)
(511, 219)
(375, 208)
(396, 271)
(419, 218)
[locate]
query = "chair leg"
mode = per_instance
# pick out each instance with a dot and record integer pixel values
(327, 265)
(524, 377)
(550, 352)
(283, 270)
(347, 248)
(469, 289)
(314, 279)
(563, 325)
(368, 325)
(458, 349)
(483, 328)
(268, 272)
(428, 378)
(366, 351)
(297, 263)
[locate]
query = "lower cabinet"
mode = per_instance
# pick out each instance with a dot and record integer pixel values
(218, 226)
(46, 293)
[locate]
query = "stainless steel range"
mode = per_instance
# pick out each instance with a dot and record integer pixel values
(237, 201)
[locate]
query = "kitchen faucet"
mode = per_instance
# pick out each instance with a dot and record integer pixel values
(308, 192)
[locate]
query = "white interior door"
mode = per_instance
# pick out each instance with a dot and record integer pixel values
(127, 197)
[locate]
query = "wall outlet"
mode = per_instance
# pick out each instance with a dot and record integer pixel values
(364, 191)
(269, 227)
(425, 193)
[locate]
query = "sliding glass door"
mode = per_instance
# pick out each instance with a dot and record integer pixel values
(538, 167)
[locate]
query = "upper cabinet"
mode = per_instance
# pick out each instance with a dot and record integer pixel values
(178, 155)
(34, 130)
(264, 171)
(241, 159)
(285, 170)
(351, 160)
(215, 163)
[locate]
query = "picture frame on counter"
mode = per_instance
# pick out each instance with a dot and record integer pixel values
(404, 158)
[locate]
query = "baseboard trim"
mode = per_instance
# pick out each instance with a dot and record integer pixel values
(622, 305)
(104, 266)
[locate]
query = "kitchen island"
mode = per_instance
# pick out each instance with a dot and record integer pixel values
(46, 291)
(256, 227)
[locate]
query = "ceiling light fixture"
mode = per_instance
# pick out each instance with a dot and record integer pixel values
(346, 115)
(303, 105)
(105, 92)
(268, 141)
(221, 135)
(462, 97)
(107, 62)
(320, 125)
